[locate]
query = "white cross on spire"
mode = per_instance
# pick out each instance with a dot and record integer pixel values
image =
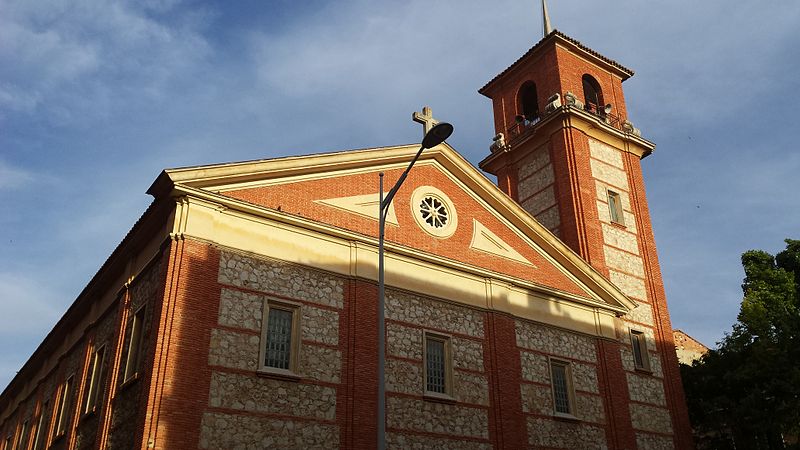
(425, 118)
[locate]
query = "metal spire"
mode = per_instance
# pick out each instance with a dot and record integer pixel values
(546, 28)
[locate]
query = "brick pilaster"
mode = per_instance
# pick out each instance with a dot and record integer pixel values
(507, 427)
(614, 389)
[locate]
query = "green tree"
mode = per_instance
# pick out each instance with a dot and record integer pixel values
(746, 393)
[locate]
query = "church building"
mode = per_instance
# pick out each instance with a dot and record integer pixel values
(240, 311)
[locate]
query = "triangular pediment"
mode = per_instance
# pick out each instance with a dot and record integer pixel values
(446, 211)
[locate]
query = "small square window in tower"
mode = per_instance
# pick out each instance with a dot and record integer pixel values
(438, 366)
(280, 338)
(615, 208)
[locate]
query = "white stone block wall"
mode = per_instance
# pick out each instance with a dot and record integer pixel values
(624, 261)
(555, 341)
(650, 418)
(267, 395)
(535, 367)
(249, 283)
(431, 417)
(550, 219)
(614, 176)
(433, 314)
(534, 162)
(221, 431)
(540, 201)
(420, 442)
(621, 239)
(281, 278)
(409, 317)
(537, 344)
(567, 435)
(646, 389)
(626, 270)
(535, 188)
(654, 442)
(606, 153)
(534, 184)
(632, 286)
(403, 342)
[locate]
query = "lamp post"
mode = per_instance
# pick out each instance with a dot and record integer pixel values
(435, 136)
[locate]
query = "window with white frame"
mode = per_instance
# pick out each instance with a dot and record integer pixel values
(641, 359)
(615, 208)
(134, 345)
(280, 337)
(438, 368)
(63, 407)
(563, 394)
(94, 380)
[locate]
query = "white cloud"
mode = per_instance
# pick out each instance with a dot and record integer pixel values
(16, 99)
(358, 48)
(29, 308)
(29, 311)
(77, 61)
(13, 177)
(136, 85)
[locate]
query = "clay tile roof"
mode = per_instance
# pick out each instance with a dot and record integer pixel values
(627, 73)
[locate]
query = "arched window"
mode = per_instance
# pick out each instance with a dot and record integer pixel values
(592, 94)
(528, 102)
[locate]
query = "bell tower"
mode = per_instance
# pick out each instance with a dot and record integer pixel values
(566, 151)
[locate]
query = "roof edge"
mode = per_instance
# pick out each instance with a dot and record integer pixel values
(575, 45)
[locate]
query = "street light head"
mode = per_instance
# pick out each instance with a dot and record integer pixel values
(437, 135)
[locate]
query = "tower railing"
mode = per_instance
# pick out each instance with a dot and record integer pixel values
(527, 125)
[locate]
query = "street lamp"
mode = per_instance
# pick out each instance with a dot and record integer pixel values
(435, 136)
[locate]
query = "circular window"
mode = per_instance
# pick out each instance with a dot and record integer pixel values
(433, 211)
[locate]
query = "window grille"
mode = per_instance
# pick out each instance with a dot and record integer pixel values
(436, 366)
(279, 339)
(561, 388)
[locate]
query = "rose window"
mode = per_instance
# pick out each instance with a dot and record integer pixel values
(433, 212)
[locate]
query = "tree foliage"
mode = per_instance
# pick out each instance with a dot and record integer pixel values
(746, 393)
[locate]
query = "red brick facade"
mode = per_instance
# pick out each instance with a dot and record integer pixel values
(556, 66)
(203, 301)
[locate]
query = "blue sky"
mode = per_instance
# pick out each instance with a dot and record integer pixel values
(97, 97)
